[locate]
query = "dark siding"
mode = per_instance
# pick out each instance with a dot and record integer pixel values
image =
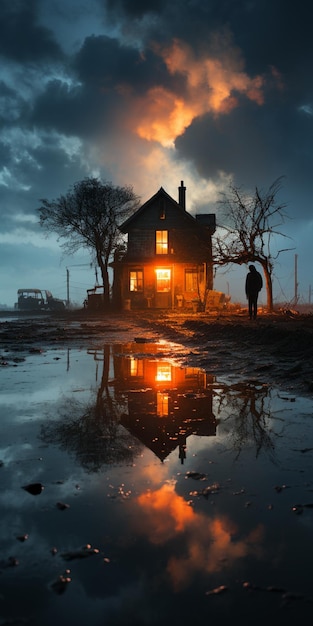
(141, 243)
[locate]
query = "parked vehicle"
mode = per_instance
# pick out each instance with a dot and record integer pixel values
(37, 300)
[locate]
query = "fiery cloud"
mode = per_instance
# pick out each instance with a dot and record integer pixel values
(210, 548)
(209, 542)
(165, 512)
(206, 85)
(164, 116)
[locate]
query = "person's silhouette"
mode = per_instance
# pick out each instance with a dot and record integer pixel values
(254, 284)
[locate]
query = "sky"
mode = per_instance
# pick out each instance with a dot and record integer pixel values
(147, 94)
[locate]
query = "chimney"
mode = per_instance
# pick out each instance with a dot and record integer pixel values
(182, 195)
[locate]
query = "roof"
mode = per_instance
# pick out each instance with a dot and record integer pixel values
(159, 195)
(29, 291)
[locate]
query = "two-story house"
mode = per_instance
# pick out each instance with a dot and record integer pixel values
(168, 260)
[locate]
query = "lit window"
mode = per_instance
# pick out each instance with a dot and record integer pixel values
(162, 404)
(163, 280)
(161, 242)
(136, 280)
(136, 367)
(191, 280)
(164, 372)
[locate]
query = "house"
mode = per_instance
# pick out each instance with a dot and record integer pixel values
(168, 260)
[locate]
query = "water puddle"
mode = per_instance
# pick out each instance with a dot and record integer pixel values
(137, 491)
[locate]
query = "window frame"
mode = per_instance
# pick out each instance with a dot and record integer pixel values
(136, 282)
(161, 242)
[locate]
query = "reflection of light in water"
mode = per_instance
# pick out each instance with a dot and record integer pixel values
(136, 367)
(193, 372)
(163, 372)
(162, 404)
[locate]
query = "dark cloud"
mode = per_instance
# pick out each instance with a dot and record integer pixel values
(22, 39)
(105, 62)
(104, 75)
(274, 33)
(257, 144)
(12, 106)
(265, 31)
(236, 143)
(120, 9)
(65, 108)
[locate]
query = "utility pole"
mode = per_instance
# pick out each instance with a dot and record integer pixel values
(296, 278)
(67, 288)
(68, 279)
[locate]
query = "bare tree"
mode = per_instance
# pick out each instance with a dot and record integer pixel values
(250, 222)
(88, 217)
(92, 432)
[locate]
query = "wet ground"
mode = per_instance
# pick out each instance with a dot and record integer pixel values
(155, 470)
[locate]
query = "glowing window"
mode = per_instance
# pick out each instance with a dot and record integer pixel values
(136, 367)
(136, 280)
(163, 280)
(164, 372)
(162, 404)
(161, 242)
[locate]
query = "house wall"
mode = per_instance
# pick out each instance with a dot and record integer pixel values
(175, 298)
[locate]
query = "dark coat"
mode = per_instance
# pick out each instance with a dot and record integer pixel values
(254, 282)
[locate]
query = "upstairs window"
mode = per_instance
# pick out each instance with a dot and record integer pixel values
(136, 367)
(136, 280)
(161, 242)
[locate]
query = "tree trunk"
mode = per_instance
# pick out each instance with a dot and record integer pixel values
(105, 280)
(268, 285)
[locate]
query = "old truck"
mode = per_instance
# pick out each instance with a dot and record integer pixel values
(37, 300)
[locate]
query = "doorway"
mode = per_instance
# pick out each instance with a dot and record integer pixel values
(163, 291)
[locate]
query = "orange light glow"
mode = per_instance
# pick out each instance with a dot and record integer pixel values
(211, 85)
(163, 280)
(163, 116)
(163, 372)
(136, 367)
(161, 242)
(166, 512)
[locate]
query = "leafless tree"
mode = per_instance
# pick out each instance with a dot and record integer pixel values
(250, 223)
(88, 217)
(92, 431)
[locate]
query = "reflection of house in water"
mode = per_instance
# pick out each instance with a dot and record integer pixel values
(166, 403)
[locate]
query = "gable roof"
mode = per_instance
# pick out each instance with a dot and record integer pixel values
(157, 199)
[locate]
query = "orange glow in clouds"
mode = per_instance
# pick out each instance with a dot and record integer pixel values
(163, 116)
(166, 512)
(210, 543)
(210, 85)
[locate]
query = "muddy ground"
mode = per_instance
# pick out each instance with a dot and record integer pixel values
(275, 349)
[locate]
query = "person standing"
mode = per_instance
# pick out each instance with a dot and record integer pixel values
(254, 284)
